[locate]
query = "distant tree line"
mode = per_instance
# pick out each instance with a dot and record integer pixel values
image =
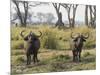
(92, 22)
(90, 13)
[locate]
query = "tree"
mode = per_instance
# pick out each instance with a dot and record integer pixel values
(68, 8)
(46, 18)
(14, 17)
(86, 15)
(59, 14)
(22, 19)
(92, 16)
(74, 14)
(49, 18)
(23, 16)
(41, 17)
(92, 13)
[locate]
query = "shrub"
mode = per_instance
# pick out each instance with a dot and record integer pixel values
(51, 43)
(17, 44)
(17, 52)
(90, 44)
(49, 39)
(51, 36)
(86, 54)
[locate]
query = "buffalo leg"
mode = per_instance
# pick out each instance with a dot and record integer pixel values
(28, 59)
(34, 58)
(79, 56)
(73, 55)
(37, 57)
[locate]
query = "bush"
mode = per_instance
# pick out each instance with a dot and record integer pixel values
(90, 43)
(17, 44)
(50, 38)
(17, 52)
(15, 38)
(86, 54)
(51, 42)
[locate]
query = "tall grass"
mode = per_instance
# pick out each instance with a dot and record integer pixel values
(52, 38)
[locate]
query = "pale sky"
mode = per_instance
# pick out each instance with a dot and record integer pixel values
(80, 12)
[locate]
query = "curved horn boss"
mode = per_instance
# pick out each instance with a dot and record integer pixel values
(40, 34)
(77, 44)
(21, 33)
(86, 35)
(32, 46)
(74, 36)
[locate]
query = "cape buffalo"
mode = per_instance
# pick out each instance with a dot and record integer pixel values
(32, 46)
(77, 44)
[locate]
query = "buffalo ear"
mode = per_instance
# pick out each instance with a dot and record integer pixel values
(84, 39)
(26, 38)
(75, 39)
(39, 35)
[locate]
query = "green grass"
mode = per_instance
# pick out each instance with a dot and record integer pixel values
(55, 54)
(19, 44)
(53, 61)
(52, 38)
(17, 52)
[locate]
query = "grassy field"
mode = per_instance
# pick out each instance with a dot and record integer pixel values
(55, 54)
(50, 38)
(52, 61)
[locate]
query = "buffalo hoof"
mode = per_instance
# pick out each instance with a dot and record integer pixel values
(38, 60)
(79, 60)
(27, 64)
(74, 60)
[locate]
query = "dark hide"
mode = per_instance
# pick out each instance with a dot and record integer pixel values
(77, 47)
(32, 47)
